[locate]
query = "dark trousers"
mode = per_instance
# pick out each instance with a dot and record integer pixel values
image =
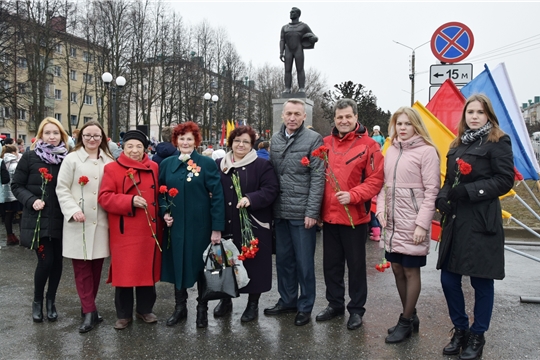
(49, 267)
(87, 276)
(484, 293)
(123, 300)
(342, 243)
(295, 264)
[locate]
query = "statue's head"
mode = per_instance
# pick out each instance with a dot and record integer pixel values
(295, 13)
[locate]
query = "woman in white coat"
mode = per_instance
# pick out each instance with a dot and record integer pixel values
(86, 236)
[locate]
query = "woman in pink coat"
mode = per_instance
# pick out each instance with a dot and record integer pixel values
(405, 208)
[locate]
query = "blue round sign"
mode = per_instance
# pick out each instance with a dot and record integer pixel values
(452, 42)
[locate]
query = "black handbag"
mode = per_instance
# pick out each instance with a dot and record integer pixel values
(218, 281)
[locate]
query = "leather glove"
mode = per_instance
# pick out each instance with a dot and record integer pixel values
(457, 193)
(443, 206)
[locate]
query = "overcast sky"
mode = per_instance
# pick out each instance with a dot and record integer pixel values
(356, 39)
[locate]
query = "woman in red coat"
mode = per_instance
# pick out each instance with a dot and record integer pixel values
(135, 253)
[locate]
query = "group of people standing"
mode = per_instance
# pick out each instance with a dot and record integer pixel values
(94, 207)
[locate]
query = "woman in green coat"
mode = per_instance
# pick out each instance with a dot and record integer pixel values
(196, 218)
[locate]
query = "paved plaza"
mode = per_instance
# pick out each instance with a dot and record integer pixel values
(513, 334)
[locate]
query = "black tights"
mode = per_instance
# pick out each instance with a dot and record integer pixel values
(254, 297)
(8, 221)
(49, 267)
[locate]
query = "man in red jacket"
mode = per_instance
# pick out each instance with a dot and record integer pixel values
(357, 163)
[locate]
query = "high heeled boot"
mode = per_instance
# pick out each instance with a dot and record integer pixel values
(459, 340)
(89, 322)
(416, 324)
(180, 309)
(475, 346)
(403, 330)
(52, 315)
(37, 311)
(251, 312)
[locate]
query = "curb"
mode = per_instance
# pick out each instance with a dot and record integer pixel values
(520, 233)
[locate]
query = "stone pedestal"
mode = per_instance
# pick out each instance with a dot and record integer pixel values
(277, 106)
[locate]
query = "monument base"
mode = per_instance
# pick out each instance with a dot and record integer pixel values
(277, 107)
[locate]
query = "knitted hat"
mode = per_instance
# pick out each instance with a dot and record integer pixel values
(136, 135)
(377, 127)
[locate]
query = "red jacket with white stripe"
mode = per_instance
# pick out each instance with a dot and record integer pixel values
(357, 162)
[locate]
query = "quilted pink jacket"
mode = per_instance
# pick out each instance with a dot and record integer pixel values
(411, 183)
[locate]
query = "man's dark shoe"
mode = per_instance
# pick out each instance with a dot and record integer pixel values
(329, 313)
(278, 309)
(355, 321)
(223, 308)
(302, 318)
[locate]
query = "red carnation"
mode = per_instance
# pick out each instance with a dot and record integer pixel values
(130, 172)
(162, 189)
(83, 180)
(305, 161)
(48, 177)
(43, 171)
(464, 167)
(173, 192)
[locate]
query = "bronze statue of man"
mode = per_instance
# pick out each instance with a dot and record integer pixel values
(295, 37)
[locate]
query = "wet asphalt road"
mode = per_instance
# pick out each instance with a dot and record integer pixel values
(514, 332)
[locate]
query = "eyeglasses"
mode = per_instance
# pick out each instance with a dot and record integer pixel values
(88, 137)
(244, 142)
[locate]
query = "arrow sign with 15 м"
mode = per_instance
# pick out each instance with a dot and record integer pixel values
(460, 74)
(452, 42)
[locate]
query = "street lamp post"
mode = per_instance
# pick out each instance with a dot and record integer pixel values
(207, 98)
(120, 83)
(412, 74)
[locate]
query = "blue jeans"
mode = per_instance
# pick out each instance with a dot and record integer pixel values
(295, 264)
(484, 293)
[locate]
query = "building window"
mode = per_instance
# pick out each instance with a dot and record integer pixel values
(22, 63)
(87, 57)
(49, 90)
(87, 78)
(22, 114)
(73, 120)
(58, 117)
(58, 94)
(58, 48)
(73, 52)
(87, 119)
(73, 75)
(87, 99)
(57, 71)
(5, 112)
(100, 102)
(73, 97)
(5, 85)
(21, 88)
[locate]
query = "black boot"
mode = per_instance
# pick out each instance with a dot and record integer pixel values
(90, 321)
(251, 312)
(459, 340)
(37, 311)
(416, 324)
(52, 315)
(99, 317)
(403, 330)
(474, 348)
(180, 309)
(223, 308)
(202, 314)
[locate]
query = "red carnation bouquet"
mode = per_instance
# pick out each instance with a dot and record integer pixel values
(45, 179)
(322, 153)
(250, 244)
(130, 174)
(83, 180)
(172, 192)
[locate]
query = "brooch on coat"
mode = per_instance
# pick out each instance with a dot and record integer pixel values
(193, 169)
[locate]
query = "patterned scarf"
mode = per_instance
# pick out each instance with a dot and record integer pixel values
(51, 154)
(470, 136)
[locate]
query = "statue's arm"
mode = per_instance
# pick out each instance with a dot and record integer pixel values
(308, 30)
(282, 45)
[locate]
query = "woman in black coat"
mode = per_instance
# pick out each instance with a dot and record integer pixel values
(48, 152)
(473, 236)
(260, 188)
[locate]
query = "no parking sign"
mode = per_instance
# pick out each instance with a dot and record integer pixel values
(452, 42)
